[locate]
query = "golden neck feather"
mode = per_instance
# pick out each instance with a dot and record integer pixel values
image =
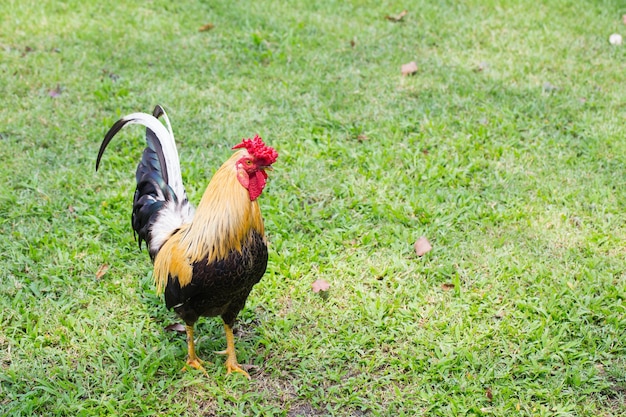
(224, 218)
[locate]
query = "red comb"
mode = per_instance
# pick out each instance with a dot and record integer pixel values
(264, 154)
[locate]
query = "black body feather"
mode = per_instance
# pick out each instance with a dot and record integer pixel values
(219, 288)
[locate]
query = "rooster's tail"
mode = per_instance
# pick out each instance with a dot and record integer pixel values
(160, 205)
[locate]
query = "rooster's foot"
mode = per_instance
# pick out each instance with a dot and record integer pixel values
(195, 363)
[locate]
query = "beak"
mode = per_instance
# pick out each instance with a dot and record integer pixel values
(268, 168)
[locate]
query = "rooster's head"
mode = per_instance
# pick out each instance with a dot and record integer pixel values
(252, 165)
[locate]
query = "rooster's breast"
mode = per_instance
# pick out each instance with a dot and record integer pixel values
(220, 287)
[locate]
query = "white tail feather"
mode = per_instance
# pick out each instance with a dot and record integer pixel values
(166, 137)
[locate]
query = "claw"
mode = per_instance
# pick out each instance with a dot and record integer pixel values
(195, 364)
(235, 367)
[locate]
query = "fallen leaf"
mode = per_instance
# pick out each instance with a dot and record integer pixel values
(489, 394)
(549, 87)
(422, 246)
(481, 67)
(320, 285)
(26, 51)
(361, 138)
(55, 92)
(499, 315)
(600, 369)
(71, 209)
(398, 17)
(249, 367)
(102, 270)
(113, 76)
(447, 286)
(206, 28)
(352, 43)
(409, 69)
(175, 327)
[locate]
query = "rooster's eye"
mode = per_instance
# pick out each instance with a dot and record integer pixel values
(248, 162)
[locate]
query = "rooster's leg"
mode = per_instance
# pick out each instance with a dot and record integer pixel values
(231, 355)
(192, 359)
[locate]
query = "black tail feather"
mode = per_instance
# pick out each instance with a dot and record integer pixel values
(117, 126)
(158, 111)
(151, 195)
(153, 158)
(153, 190)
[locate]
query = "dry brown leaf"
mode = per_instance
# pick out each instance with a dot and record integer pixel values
(600, 369)
(55, 92)
(206, 28)
(409, 69)
(26, 51)
(489, 394)
(320, 285)
(447, 286)
(352, 43)
(548, 87)
(249, 367)
(113, 76)
(102, 270)
(482, 66)
(398, 17)
(175, 327)
(422, 246)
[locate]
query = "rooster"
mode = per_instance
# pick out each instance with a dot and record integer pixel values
(206, 260)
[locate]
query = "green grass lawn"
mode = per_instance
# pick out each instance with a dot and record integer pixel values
(506, 149)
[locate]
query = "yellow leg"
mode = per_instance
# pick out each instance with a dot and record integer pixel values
(192, 359)
(231, 355)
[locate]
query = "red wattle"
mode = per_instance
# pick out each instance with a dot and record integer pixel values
(256, 184)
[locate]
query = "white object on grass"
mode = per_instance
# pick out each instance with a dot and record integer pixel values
(615, 39)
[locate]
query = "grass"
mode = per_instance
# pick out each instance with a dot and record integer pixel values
(506, 149)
